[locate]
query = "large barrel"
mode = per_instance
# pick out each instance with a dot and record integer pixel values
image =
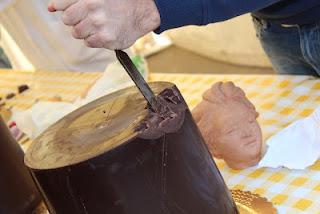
(18, 193)
(116, 156)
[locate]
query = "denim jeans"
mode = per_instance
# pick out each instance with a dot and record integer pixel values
(291, 49)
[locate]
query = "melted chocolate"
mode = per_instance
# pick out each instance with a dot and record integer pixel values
(168, 118)
(160, 165)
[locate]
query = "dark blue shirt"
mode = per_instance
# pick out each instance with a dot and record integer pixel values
(177, 13)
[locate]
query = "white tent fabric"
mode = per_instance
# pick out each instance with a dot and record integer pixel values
(44, 40)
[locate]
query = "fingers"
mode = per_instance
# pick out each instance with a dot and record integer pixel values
(51, 8)
(82, 30)
(74, 14)
(60, 5)
(122, 24)
(105, 39)
(94, 41)
(89, 26)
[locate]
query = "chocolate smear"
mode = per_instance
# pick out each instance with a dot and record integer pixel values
(168, 118)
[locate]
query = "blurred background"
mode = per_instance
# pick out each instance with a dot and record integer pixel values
(227, 47)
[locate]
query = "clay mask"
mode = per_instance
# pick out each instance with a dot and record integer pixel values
(227, 121)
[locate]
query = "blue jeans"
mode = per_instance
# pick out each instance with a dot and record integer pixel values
(291, 49)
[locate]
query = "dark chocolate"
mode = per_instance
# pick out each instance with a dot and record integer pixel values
(22, 88)
(100, 160)
(168, 118)
(18, 191)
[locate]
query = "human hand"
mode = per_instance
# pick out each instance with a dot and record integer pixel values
(107, 23)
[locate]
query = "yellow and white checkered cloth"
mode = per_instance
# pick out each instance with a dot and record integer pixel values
(280, 100)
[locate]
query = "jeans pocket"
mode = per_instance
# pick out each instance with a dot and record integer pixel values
(310, 44)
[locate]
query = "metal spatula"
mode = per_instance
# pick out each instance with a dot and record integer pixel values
(137, 78)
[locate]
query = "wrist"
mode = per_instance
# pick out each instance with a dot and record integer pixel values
(178, 13)
(148, 16)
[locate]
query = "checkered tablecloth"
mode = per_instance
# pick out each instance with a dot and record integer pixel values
(280, 100)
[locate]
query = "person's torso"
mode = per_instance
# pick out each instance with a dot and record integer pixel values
(46, 41)
(291, 12)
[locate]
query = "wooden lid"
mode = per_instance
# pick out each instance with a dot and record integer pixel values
(91, 130)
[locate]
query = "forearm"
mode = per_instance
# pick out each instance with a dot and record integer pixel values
(177, 13)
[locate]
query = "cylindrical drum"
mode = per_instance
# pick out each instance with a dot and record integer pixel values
(18, 193)
(116, 156)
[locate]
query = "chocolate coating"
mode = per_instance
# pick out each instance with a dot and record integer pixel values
(124, 169)
(168, 118)
(18, 193)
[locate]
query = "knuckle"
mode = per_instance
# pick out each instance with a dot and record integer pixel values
(99, 40)
(88, 43)
(66, 17)
(93, 41)
(76, 32)
(99, 37)
(91, 4)
(95, 21)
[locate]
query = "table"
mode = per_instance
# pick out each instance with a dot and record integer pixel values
(279, 99)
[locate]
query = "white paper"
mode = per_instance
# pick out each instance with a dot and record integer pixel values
(40, 116)
(113, 79)
(295, 147)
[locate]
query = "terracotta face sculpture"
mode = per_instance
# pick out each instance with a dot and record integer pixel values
(227, 121)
